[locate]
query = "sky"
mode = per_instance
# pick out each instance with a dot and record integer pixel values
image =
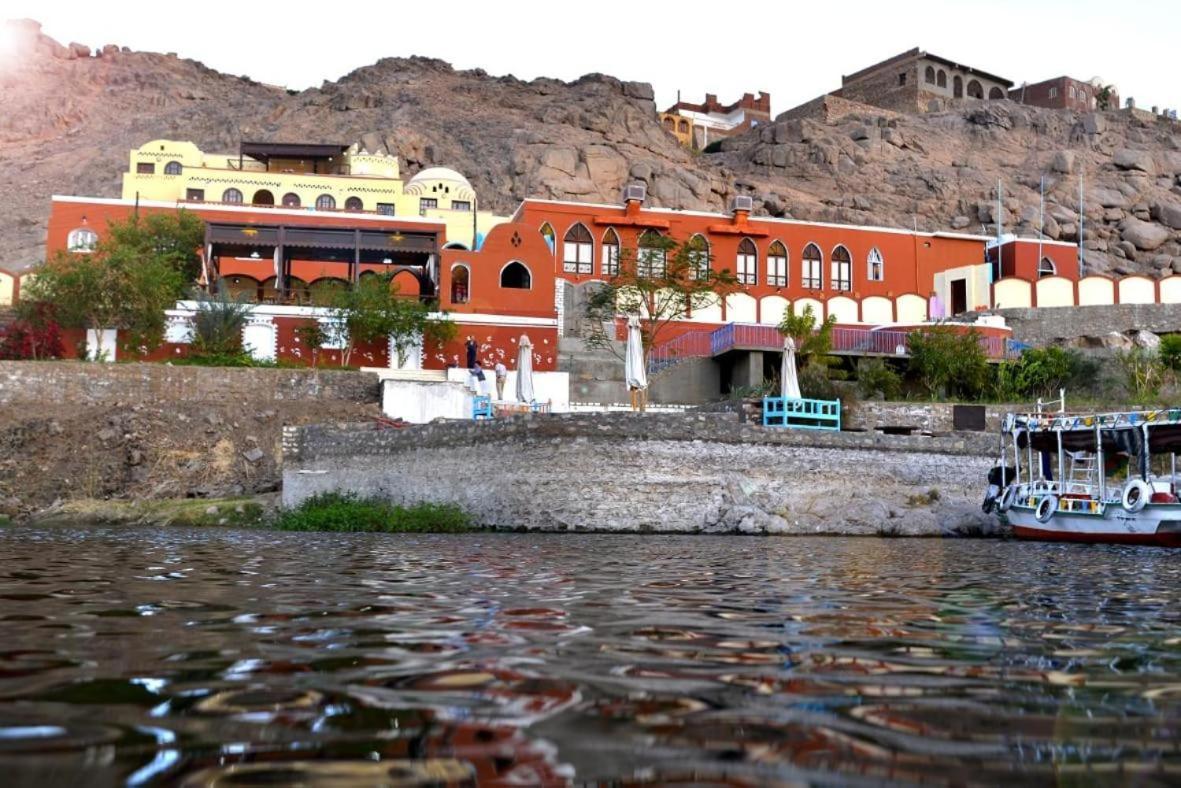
(794, 50)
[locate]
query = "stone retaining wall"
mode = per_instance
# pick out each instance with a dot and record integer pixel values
(1051, 324)
(654, 473)
(77, 383)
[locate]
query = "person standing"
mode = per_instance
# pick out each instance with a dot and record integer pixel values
(501, 376)
(472, 349)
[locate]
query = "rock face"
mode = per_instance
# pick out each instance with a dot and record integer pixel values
(71, 113)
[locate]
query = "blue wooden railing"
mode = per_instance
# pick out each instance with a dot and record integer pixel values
(802, 414)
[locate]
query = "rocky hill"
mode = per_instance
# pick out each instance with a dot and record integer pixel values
(71, 115)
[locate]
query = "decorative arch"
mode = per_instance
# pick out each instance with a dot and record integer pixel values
(669, 123)
(843, 308)
(683, 127)
(460, 284)
(578, 250)
(741, 308)
(772, 308)
(240, 286)
(941, 79)
(262, 197)
(1136, 290)
(232, 196)
(325, 202)
(1170, 289)
(173, 168)
(877, 310)
(291, 200)
(911, 308)
(777, 264)
(456, 245)
(929, 75)
(842, 268)
(1096, 290)
(975, 89)
(1054, 291)
(516, 276)
(409, 282)
(610, 257)
(698, 257)
(995, 93)
(1046, 267)
(1012, 293)
(354, 204)
(812, 268)
(748, 262)
(551, 238)
(82, 240)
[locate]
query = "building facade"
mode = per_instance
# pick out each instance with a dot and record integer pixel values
(697, 125)
(324, 178)
(1067, 93)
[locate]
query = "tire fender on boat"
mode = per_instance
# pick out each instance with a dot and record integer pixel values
(1046, 508)
(1136, 495)
(1008, 497)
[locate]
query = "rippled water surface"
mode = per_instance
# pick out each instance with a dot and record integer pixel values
(233, 658)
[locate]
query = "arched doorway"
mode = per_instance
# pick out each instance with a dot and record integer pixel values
(262, 197)
(460, 294)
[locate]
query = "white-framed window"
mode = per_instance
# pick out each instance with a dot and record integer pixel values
(650, 261)
(82, 240)
(232, 196)
(698, 257)
(842, 269)
(1046, 268)
(578, 250)
(610, 253)
(325, 202)
(551, 238)
(777, 265)
(876, 266)
(461, 205)
(748, 262)
(173, 168)
(812, 272)
(1053, 92)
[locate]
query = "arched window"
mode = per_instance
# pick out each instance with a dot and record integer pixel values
(82, 240)
(353, 204)
(876, 268)
(578, 251)
(777, 265)
(698, 257)
(232, 196)
(1046, 268)
(941, 79)
(812, 275)
(995, 93)
(929, 75)
(748, 262)
(975, 89)
(610, 253)
(842, 269)
(262, 197)
(551, 238)
(325, 202)
(290, 200)
(683, 127)
(669, 123)
(173, 168)
(957, 87)
(652, 255)
(460, 282)
(516, 276)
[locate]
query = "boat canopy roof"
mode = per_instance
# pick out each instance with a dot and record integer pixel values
(1119, 432)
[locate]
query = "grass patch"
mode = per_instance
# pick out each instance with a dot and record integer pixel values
(346, 512)
(4, 520)
(924, 499)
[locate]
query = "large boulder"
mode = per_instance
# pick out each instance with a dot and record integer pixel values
(1063, 162)
(1136, 160)
(1168, 213)
(1108, 198)
(1145, 236)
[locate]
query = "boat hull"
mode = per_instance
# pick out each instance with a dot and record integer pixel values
(1154, 525)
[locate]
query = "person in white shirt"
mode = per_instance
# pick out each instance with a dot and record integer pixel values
(501, 376)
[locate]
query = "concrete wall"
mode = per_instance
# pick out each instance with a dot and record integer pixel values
(551, 387)
(683, 473)
(421, 402)
(1042, 326)
(31, 383)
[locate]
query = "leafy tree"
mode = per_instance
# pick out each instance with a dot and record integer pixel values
(34, 335)
(1170, 351)
(661, 281)
(813, 342)
(1041, 372)
(173, 238)
(1143, 373)
(313, 336)
(949, 363)
(1103, 97)
(876, 376)
(372, 311)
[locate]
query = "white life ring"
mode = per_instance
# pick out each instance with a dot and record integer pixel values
(1136, 495)
(1008, 497)
(1046, 508)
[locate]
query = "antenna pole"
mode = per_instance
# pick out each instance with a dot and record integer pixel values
(1000, 193)
(1041, 221)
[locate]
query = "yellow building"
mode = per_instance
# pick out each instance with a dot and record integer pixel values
(312, 177)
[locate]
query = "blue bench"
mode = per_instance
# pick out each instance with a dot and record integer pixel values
(481, 407)
(802, 414)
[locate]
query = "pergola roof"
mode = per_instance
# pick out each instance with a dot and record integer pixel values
(264, 151)
(251, 235)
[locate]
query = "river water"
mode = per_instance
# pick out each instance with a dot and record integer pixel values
(218, 657)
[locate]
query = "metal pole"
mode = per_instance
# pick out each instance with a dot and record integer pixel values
(1016, 458)
(1081, 261)
(1099, 469)
(1061, 464)
(1000, 192)
(1041, 222)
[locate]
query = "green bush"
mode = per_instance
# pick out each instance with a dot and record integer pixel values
(1041, 372)
(1143, 374)
(816, 384)
(1170, 351)
(949, 363)
(348, 512)
(875, 376)
(218, 324)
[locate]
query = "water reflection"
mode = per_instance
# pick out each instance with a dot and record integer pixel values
(223, 658)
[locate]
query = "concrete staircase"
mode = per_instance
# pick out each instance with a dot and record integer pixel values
(596, 374)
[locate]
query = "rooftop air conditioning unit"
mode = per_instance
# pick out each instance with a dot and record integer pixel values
(635, 192)
(742, 202)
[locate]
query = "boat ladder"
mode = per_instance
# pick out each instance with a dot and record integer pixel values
(1082, 469)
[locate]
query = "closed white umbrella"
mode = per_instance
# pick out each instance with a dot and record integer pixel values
(788, 380)
(634, 373)
(525, 370)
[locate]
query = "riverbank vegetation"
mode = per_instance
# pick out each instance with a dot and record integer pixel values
(349, 513)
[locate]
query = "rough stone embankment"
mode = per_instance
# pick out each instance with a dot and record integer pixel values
(699, 473)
